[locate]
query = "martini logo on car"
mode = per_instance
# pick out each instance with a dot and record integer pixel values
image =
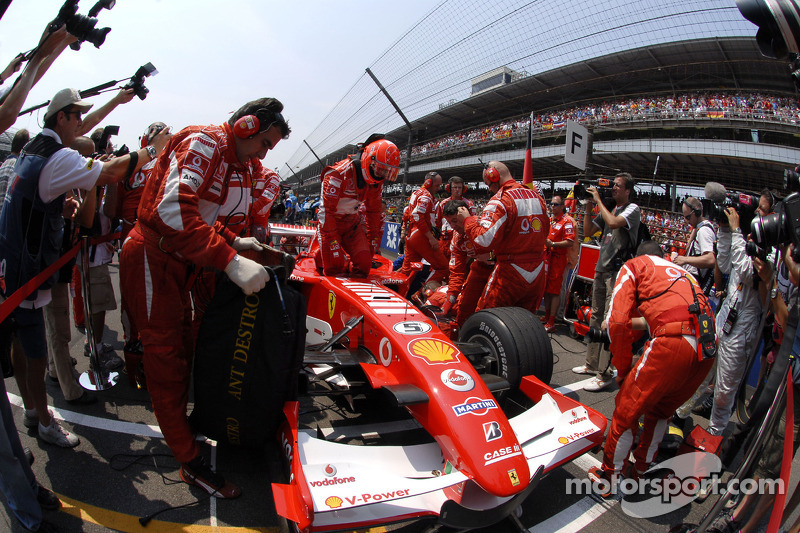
(458, 380)
(412, 327)
(492, 431)
(474, 406)
(434, 352)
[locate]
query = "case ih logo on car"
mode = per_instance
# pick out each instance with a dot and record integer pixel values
(492, 431)
(502, 454)
(458, 380)
(474, 406)
(412, 327)
(434, 352)
(382, 301)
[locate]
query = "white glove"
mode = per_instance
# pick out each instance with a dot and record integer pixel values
(246, 243)
(247, 274)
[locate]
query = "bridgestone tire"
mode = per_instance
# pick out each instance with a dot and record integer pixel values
(517, 341)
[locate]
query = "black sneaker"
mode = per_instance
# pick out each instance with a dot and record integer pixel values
(704, 409)
(197, 472)
(47, 499)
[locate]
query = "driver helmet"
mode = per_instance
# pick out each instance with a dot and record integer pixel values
(386, 157)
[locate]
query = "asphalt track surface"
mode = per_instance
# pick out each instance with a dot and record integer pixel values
(122, 470)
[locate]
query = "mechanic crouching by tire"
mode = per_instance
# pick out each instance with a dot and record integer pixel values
(177, 233)
(513, 226)
(675, 360)
(345, 185)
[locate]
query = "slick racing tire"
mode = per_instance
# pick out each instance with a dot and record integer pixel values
(516, 340)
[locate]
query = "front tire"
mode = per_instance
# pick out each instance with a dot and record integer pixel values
(517, 343)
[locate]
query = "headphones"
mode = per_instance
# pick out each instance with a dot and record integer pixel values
(249, 125)
(491, 174)
(151, 132)
(698, 212)
(450, 181)
(429, 179)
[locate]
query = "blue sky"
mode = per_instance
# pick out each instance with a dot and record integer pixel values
(214, 56)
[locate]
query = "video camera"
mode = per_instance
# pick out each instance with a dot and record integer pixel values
(718, 198)
(82, 26)
(597, 335)
(777, 228)
(604, 186)
(137, 80)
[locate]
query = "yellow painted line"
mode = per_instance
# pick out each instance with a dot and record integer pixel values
(129, 523)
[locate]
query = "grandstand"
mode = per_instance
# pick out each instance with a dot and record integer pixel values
(684, 80)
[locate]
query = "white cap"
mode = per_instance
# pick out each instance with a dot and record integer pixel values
(64, 98)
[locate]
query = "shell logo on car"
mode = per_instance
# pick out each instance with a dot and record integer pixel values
(334, 502)
(434, 352)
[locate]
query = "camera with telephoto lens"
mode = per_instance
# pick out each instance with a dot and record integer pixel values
(82, 26)
(745, 205)
(137, 80)
(776, 229)
(791, 179)
(597, 335)
(604, 187)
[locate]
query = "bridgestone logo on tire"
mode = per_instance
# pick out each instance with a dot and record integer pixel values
(501, 351)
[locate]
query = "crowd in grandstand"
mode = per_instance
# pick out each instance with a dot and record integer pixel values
(695, 105)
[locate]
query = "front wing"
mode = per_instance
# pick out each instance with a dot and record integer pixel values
(338, 486)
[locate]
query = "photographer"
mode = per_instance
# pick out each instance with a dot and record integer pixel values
(31, 225)
(675, 360)
(619, 230)
(738, 317)
(699, 260)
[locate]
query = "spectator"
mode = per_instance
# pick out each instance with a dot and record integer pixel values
(673, 368)
(290, 207)
(619, 230)
(558, 244)
(514, 226)
(177, 231)
(45, 172)
(21, 138)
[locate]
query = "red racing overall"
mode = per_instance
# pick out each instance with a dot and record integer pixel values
(669, 371)
(514, 225)
(423, 216)
(177, 229)
(340, 228)
(467, 281)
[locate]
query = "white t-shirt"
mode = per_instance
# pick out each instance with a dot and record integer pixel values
(703, 242)
(64, 171)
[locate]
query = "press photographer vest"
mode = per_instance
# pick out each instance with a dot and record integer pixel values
(30, 229)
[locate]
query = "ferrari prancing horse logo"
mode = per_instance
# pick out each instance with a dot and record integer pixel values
(331, 304)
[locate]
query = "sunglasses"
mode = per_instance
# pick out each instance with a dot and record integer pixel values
(687, 217)
(555, 204)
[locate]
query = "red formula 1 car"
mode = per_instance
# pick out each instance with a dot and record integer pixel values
(477, 465)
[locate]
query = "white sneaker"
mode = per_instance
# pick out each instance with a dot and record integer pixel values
(55, 434)
(583, 369)
(598, 384)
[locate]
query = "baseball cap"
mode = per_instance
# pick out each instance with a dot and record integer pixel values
(64, 98)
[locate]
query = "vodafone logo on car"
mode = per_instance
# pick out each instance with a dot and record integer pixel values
(458, 380)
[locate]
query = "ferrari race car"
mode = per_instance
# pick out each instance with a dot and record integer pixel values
(476, 465)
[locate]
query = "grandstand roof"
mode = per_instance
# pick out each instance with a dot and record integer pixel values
(728, 64)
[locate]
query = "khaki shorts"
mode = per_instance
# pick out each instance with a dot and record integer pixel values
(102, 292)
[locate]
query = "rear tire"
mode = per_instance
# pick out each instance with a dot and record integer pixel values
(518, 344)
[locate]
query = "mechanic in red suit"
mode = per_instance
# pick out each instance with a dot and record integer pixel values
(469, 269)
(558, 244)
(420, 242)
(345, 185)
(177, 231)
(674, 362)
(456, 187)
(513, 226)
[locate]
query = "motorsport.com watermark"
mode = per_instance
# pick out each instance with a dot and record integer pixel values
(673, 484)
